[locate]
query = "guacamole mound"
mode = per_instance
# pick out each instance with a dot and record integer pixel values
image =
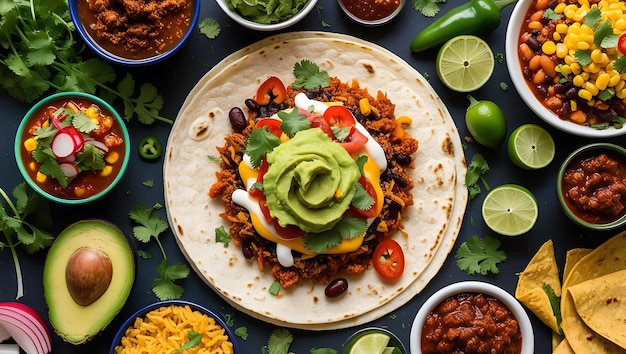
(77, 323)
(310, 181)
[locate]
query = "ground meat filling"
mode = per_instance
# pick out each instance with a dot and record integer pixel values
(395, 182)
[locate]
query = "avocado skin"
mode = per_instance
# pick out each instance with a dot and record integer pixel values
(75, 323)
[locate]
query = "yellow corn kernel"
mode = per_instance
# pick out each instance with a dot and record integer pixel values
(561, 50)
(560, 7)
(112, 157)
(284, 138)
(30, 144)
(591, 87)
(364, 106)
(570, 10)
(338, 194)
(602, 81)
(564, 68)
(583, 3)
(404, 120)
(40, 177)
(576, 68)
(578, 81)
(556, 36)
(535, 25)
(80, 191)
(573, 105)
(92, 112)
(106, 171)
(32, 166)
(596, 55)
(582, 45)
(620, 85)
(620, 24)
(621, 94)
(561, 28)
(45, 124)
(593, 68)
(614, 79)
(584, 94)
(548, 47)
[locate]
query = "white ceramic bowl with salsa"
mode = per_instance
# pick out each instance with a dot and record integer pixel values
(371, 12)
(472, 288)
(528, 94)
(151, 41)
(249, 22)
(64, 152)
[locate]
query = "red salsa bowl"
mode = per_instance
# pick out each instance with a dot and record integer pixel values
(72, 147)
(591, 186)
(471, 313)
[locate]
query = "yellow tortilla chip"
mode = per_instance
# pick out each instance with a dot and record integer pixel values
(541, 269)
(572, 257)
(564, 348)
(601, 303)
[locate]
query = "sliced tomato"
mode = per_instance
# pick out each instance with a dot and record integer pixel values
(388, 260)
(339, 116)
(273, 125)
(272, 88)
(288, 232)
(621, 43)
(372, 212)
(320, 122)
(354, 141)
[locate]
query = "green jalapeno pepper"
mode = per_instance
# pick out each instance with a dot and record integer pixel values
(474, 17)
(150, 147)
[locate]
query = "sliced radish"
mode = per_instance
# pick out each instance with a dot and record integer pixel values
(63, 145)
(98, 144)
(4, 334)
(69, 169)
(26, 327)
(70, 158)
(79, 141)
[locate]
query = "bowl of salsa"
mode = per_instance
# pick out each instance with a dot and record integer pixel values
(591, 186)
(471, 317)
(566, 62)
(72, 147)
(134, 32)
(371, 12)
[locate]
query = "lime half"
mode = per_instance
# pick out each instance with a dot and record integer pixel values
(465, 63)
(510, 210)
(531, 147)
(371, 343)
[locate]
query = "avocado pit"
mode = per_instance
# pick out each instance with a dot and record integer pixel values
(88, 274)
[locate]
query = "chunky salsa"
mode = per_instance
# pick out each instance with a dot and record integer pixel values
(570, 60)
(82, 165)
(371, 10)
(471, 323)
(594, 187)
(136, 29)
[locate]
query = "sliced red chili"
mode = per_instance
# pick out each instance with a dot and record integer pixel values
(354, 141)
(273, 125)
(388, 259)
(320, 122)
(339, 116)
(621, 43)
(372, 212)
(272, 88)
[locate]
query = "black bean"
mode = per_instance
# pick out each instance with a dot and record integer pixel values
(572, 93)
(252, 105)
(336, 287)
(533, 43)
(565, 110)
(528, 74)
(237, 119)
(619, 107)
(247, 250)
(605, 114)
(542, 91)
(403, 159)
(560, 88)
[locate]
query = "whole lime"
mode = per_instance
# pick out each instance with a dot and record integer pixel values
(486, 122)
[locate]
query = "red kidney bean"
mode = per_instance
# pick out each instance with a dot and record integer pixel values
(336, 287)
(237, 119)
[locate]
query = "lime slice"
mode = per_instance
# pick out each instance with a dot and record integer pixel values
(391, 350)
(531, 147)
(510, 210)
(371, 343)
(465, 63)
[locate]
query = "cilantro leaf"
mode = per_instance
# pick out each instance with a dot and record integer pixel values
(428, 8)
(555, 304)
(604, 37)
(323, 351)
(551, 15)
(209, 27)
(362, 200)
(583, 57)
(241, 332)
(480, 256)
(274, 289)
(193, 339)
(309, 76)
(347, 228)
(477, 168)
(620, 64)
(260, 142)
(293, 122)
(83, 123)
(279, 341)
(222, 236)
(592, 17)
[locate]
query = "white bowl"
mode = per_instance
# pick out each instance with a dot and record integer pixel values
(266, 27)
(528, 341)
(515, 71)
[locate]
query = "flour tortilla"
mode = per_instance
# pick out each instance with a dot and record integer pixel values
(607, 258)
(431, 224)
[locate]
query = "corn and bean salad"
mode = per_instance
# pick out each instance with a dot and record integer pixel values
(570, 54)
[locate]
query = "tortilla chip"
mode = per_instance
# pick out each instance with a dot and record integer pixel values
(600, 302)
(563, 348)
(541, 269)
(607, 258)
(572, 257)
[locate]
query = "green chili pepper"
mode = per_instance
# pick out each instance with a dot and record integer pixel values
(474, 17)
(150, 147)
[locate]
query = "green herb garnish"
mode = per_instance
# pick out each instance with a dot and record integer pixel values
(480, 256)
(222, 236)
(293, 122)
(209, 27)
(151, 225)
(309, 75)
(428, 8)
(193, 339)
(260, 142)
(274, 289)
(477, 168)
(345, 229)
(555, 304)
(279, 341)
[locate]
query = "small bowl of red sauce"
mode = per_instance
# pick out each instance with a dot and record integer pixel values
(371, 12)
(591, 186)
(72, 147)
(471, 317)
(135, 32)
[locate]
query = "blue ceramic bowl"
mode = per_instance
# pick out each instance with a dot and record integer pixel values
(29, 171)
(142, 312)
(125, 58)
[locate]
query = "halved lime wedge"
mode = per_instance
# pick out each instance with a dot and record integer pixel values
(465, 63)
(371, 343)
(531, 147)
(510, 210)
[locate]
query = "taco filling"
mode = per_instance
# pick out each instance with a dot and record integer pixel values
(317, 177)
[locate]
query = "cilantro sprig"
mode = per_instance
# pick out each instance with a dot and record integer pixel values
(428, 8)
(151, 225)
(480, 255)
(476, 170)
(40, 54)
(309, 75)
(24, 224)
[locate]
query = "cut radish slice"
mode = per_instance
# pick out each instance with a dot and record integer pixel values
(26, 327)
(4, 334)
(69, 169)
(79, 141)
(63, 145)
(98, 144)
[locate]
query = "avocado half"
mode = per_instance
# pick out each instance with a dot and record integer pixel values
(77, 323)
